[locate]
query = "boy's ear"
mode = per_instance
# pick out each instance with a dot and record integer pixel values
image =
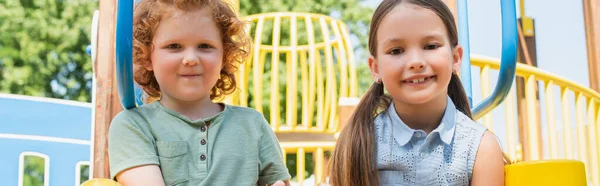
(374, 68)
(149, 67)
(457, 55)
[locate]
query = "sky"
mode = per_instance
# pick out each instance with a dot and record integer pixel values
(560, 40)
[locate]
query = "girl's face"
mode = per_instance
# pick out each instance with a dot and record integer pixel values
(187, 55)
(415, 59)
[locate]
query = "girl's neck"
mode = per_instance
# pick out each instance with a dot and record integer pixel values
(426, 116)
(193, 110)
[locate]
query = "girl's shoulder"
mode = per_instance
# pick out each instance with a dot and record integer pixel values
(464, 122)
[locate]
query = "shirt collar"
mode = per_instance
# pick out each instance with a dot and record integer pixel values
(403, 134)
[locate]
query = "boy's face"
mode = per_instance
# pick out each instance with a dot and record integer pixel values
(187, 55)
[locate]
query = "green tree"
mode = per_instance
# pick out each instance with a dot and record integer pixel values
(33, 171)
(42, 48)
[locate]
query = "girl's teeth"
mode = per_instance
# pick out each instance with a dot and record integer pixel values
(418, 80)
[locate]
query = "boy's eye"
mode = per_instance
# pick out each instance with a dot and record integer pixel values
(173, 46)
(204, 46)
(431, 47)
(395, 51)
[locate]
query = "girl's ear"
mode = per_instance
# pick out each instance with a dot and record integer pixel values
(457, 55)
(374, 68)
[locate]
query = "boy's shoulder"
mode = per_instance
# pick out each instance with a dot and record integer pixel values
(244, 112)
(136, 112)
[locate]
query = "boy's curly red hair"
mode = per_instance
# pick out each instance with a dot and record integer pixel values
(149, 13)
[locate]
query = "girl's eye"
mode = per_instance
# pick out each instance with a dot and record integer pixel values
(204, 46)
(396, 51)
(173, 46)
(432, 47)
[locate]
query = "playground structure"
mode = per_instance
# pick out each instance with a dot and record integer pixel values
(321, 89)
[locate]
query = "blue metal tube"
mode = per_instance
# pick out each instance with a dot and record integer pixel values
(124, 50)
(508, 61)
(463, 31)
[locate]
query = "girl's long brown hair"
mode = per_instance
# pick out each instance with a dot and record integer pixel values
(353, 160)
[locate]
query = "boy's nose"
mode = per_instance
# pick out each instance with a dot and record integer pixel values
(191, 58)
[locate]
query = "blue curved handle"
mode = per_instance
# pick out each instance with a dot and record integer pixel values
(508, 61)
(463, 39)
(124, 50)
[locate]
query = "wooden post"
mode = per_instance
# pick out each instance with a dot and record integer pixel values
(591, 15)
(107, 100)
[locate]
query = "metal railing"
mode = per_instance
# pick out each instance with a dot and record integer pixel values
(548, 130)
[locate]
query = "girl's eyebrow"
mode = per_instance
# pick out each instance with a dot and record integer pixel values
(430, 36)
(433, 36)
(392, 40)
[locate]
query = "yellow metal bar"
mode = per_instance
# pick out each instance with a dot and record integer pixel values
(551, 118)
(242, 78)
(288, 92)
(245, 92)
(341, 59)
(312, 79)
(592, 145)
(332, 87)
(257, 70)
(319, 156)
(330, 79)
(486, 91)
(274, 107)
(522, 7)
(511, 131)
(530, 97)
(320, 93)
(566, 120)
(343, 69)
(271, 15)
(351, 63)
(596, 138)
(284, 154)
(524, 70)
(580, 124)
(300, 164)
(292, 76)
(308, 146)
(289, 48)
(305, 92)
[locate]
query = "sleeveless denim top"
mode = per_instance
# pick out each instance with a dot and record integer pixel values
(411, 157)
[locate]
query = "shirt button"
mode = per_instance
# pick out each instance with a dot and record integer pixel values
(202, 157)
(203, 142)
(418, 134)
(422, 154)
(202, 128)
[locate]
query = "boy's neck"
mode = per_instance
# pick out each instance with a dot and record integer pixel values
(426, 116)
(193, 110)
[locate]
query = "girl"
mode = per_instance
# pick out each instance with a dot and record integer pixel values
(186, 53)
(421, 133)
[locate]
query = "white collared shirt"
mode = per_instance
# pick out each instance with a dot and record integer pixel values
(411, 157)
